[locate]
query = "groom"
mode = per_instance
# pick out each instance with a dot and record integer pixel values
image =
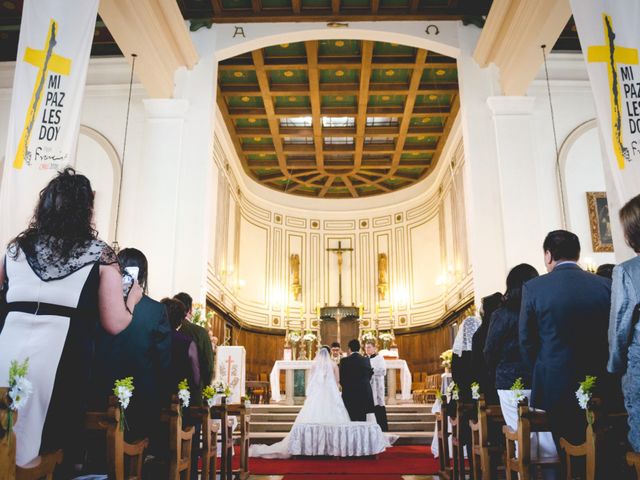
(355, 376)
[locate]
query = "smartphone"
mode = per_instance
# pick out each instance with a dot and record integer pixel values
(133, 271)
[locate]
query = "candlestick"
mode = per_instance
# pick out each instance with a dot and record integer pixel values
(360, 311)
(318, 310)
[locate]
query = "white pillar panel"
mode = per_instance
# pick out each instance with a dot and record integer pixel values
(516, 154)
(158, 191)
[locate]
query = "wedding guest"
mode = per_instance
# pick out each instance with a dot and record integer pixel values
(563, 333)
(461, 361)
(58, 280)
(142, 351)
(624, 333)
(200, 337)
(502, 355)
(605, 270)
(184, 353)
(377, 383)
(481, 373)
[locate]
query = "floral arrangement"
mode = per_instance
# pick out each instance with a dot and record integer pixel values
(584, 394)
(203, 320)
(184, 394)
(246, 400)
(446, 358)
(208, 393)
(309, 337)
(453, 392)
(387, 338)
(19, 389)
(294, 337)
(221, 388)
(517, 390)
(123, 390)
(369, 336)
(475, 391)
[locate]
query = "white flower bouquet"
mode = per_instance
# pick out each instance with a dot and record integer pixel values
(446, 357)
(517, 392)
(294, 337)
(208, 395)
(184, 394)
(309, 337)
(369, 336)
(475, 391)
(584, 394)
(19, 389)
(200, 318)
(453, 392)
(123, 390)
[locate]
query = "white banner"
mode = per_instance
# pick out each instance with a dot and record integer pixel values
(610, 39)
(48, 86)
(230, 368)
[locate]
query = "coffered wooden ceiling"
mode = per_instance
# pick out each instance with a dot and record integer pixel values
(338, 118)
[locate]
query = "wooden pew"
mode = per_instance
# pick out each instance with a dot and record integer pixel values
(209, 453)
(221, 412)
(224, 412)
(633, 460)
(462, 411)
(119, 452)
(444, 459)
(528, 421)
(486, 455)
(180, 441)
(41, 467)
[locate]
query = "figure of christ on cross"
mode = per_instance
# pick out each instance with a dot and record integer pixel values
(339, 251)
(46, 61)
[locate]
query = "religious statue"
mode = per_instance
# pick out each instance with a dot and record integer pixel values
(383, 282)
(294, 267)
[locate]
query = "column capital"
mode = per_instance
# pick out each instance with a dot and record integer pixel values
(165, 108)
(511, 105)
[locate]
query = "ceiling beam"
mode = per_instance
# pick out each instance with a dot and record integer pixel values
(326, 186)
(416, 75)
(350, 187)
(335, 7)
(347, 63)
(256, 6)
(314, 98)
(420, 112)
(308, 183)
(336, 89)
(455, 107)
(375, 6)
(269, 108)
(413, 6)
(156, 32)
(217, 7)
(363, 100)
(296, 6)
(369, 182)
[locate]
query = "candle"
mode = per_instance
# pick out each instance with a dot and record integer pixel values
(377, 308)
(287, 312)
(391, 311)
(361, 310)
(318, 310)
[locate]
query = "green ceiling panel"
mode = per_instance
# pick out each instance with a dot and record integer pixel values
(355, 3)
(394, 3)
(386, 100)
(262, 157)
(304, 188)
(338, 190)
(276, 3)
(257, 140)
(391, 75)
(367, 188)
(434, 100)
(236, 4)
(339, 100)
(230, 77)
(435, 75)
(245, 101)
(292, 101)
(247, 123)
(281, 182)
(286, 50)
(427, 122)
(411, 170)
(266, 171)
(384, 48)
(316, 3)
(334, 48)
(395, 181)
(339, 76)
(283, 77)
(421, 140)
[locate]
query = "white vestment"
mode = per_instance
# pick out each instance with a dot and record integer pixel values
(377, 381)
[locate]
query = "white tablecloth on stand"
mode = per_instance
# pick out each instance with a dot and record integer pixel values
(274, 377)
(354, 439)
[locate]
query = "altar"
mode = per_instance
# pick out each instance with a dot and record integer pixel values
(289, 366)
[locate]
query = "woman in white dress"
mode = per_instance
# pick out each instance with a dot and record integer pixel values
(323, 406)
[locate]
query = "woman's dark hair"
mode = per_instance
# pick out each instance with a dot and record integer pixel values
(490, 304)
(630, 219)
(518, 276)
(64, 212)
(175, 311)
(605, 270)
(185, 299)
(132, 257)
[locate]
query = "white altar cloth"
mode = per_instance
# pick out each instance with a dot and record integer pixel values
(274, 377)
(354, 439)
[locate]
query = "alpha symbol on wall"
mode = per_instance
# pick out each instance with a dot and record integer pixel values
(239, 31)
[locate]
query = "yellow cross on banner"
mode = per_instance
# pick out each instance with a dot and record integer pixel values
(614, 55)
(46, 61)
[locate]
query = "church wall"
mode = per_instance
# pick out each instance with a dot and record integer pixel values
(424, 239)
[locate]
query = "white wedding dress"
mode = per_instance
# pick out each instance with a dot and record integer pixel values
(322, 407)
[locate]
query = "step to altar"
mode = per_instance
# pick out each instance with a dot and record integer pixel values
(413, 423)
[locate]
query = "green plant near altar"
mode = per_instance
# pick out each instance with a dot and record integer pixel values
(199, 317)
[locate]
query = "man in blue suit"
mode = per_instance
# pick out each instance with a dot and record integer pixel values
(563, 333)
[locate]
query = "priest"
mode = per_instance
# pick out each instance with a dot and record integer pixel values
(377, 383)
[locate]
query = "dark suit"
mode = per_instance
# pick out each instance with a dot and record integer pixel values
(142, 351)
(355, 378)
(563, 337)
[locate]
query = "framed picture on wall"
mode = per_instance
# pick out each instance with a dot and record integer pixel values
(599, 222)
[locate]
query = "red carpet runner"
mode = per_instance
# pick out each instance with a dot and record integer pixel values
(402, 460)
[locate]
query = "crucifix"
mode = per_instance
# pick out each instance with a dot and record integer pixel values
(229, 362)
(339, 251)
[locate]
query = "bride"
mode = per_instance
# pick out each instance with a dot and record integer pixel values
(323, 406)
